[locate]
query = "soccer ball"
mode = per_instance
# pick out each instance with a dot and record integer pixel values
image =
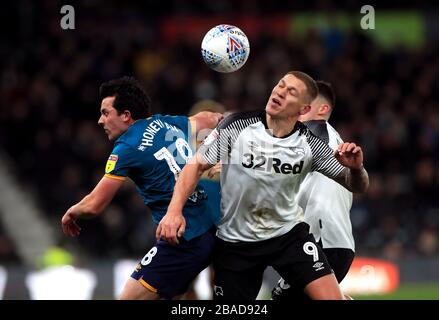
(225, 48)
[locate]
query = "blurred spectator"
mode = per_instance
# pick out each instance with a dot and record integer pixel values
(428, 242)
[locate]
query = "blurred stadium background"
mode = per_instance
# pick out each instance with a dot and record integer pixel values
(52, 151)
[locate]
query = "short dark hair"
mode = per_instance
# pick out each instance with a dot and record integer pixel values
(311, 86)
(129, 95)
(327, 92)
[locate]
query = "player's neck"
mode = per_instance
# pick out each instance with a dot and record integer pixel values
(280, 127)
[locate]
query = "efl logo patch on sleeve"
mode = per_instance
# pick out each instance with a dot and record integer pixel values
(111, 163)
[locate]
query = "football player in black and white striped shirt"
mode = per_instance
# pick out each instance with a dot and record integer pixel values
(326, 204)
(265, 157)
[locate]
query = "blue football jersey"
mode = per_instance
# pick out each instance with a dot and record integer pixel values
(213, 190)
(152, 152)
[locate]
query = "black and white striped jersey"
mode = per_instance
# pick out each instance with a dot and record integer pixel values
(261, 174)
(326, 203)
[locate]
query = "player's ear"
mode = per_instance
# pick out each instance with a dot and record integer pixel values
(324, 109)
(126, 115)
(305, 109)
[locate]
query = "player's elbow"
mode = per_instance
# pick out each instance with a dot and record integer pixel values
(214, 119)
(208, 120)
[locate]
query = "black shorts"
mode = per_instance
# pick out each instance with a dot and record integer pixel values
(169, 270)
(340, 260)
(239, 267)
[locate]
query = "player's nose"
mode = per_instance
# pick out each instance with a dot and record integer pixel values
(282, 92)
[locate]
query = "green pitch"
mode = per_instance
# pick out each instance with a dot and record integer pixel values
(416, 291)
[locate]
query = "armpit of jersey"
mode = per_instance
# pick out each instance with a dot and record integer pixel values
(323, 158)
(319, 129)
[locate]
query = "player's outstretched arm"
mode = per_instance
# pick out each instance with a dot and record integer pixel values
(173, 224)
(354, 177)
(91, 205)
(205, 120)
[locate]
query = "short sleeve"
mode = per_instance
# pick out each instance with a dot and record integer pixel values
(323, 159)
(121, 161)
(211, 148)
(219, 143)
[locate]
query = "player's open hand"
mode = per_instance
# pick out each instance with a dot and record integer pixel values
(69, 225)
(349, 155)
(171, 227)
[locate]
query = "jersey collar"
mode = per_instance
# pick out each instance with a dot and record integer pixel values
(297, 126)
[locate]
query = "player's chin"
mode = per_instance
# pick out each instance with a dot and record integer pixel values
(272, 108)
(108, 133)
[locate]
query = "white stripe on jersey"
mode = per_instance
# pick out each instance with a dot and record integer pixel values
(261, 175)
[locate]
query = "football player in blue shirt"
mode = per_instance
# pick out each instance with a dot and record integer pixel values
(151, 150)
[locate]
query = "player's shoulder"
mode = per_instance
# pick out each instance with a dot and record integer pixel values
(332, 130)
(301, 128)
(316, 125)
(132, 138)
(171, 119)
(123, 147)
(133, 131)
(316, 138)
(318, 128)
(241, 118)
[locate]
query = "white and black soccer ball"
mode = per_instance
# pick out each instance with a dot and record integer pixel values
(225, 48)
